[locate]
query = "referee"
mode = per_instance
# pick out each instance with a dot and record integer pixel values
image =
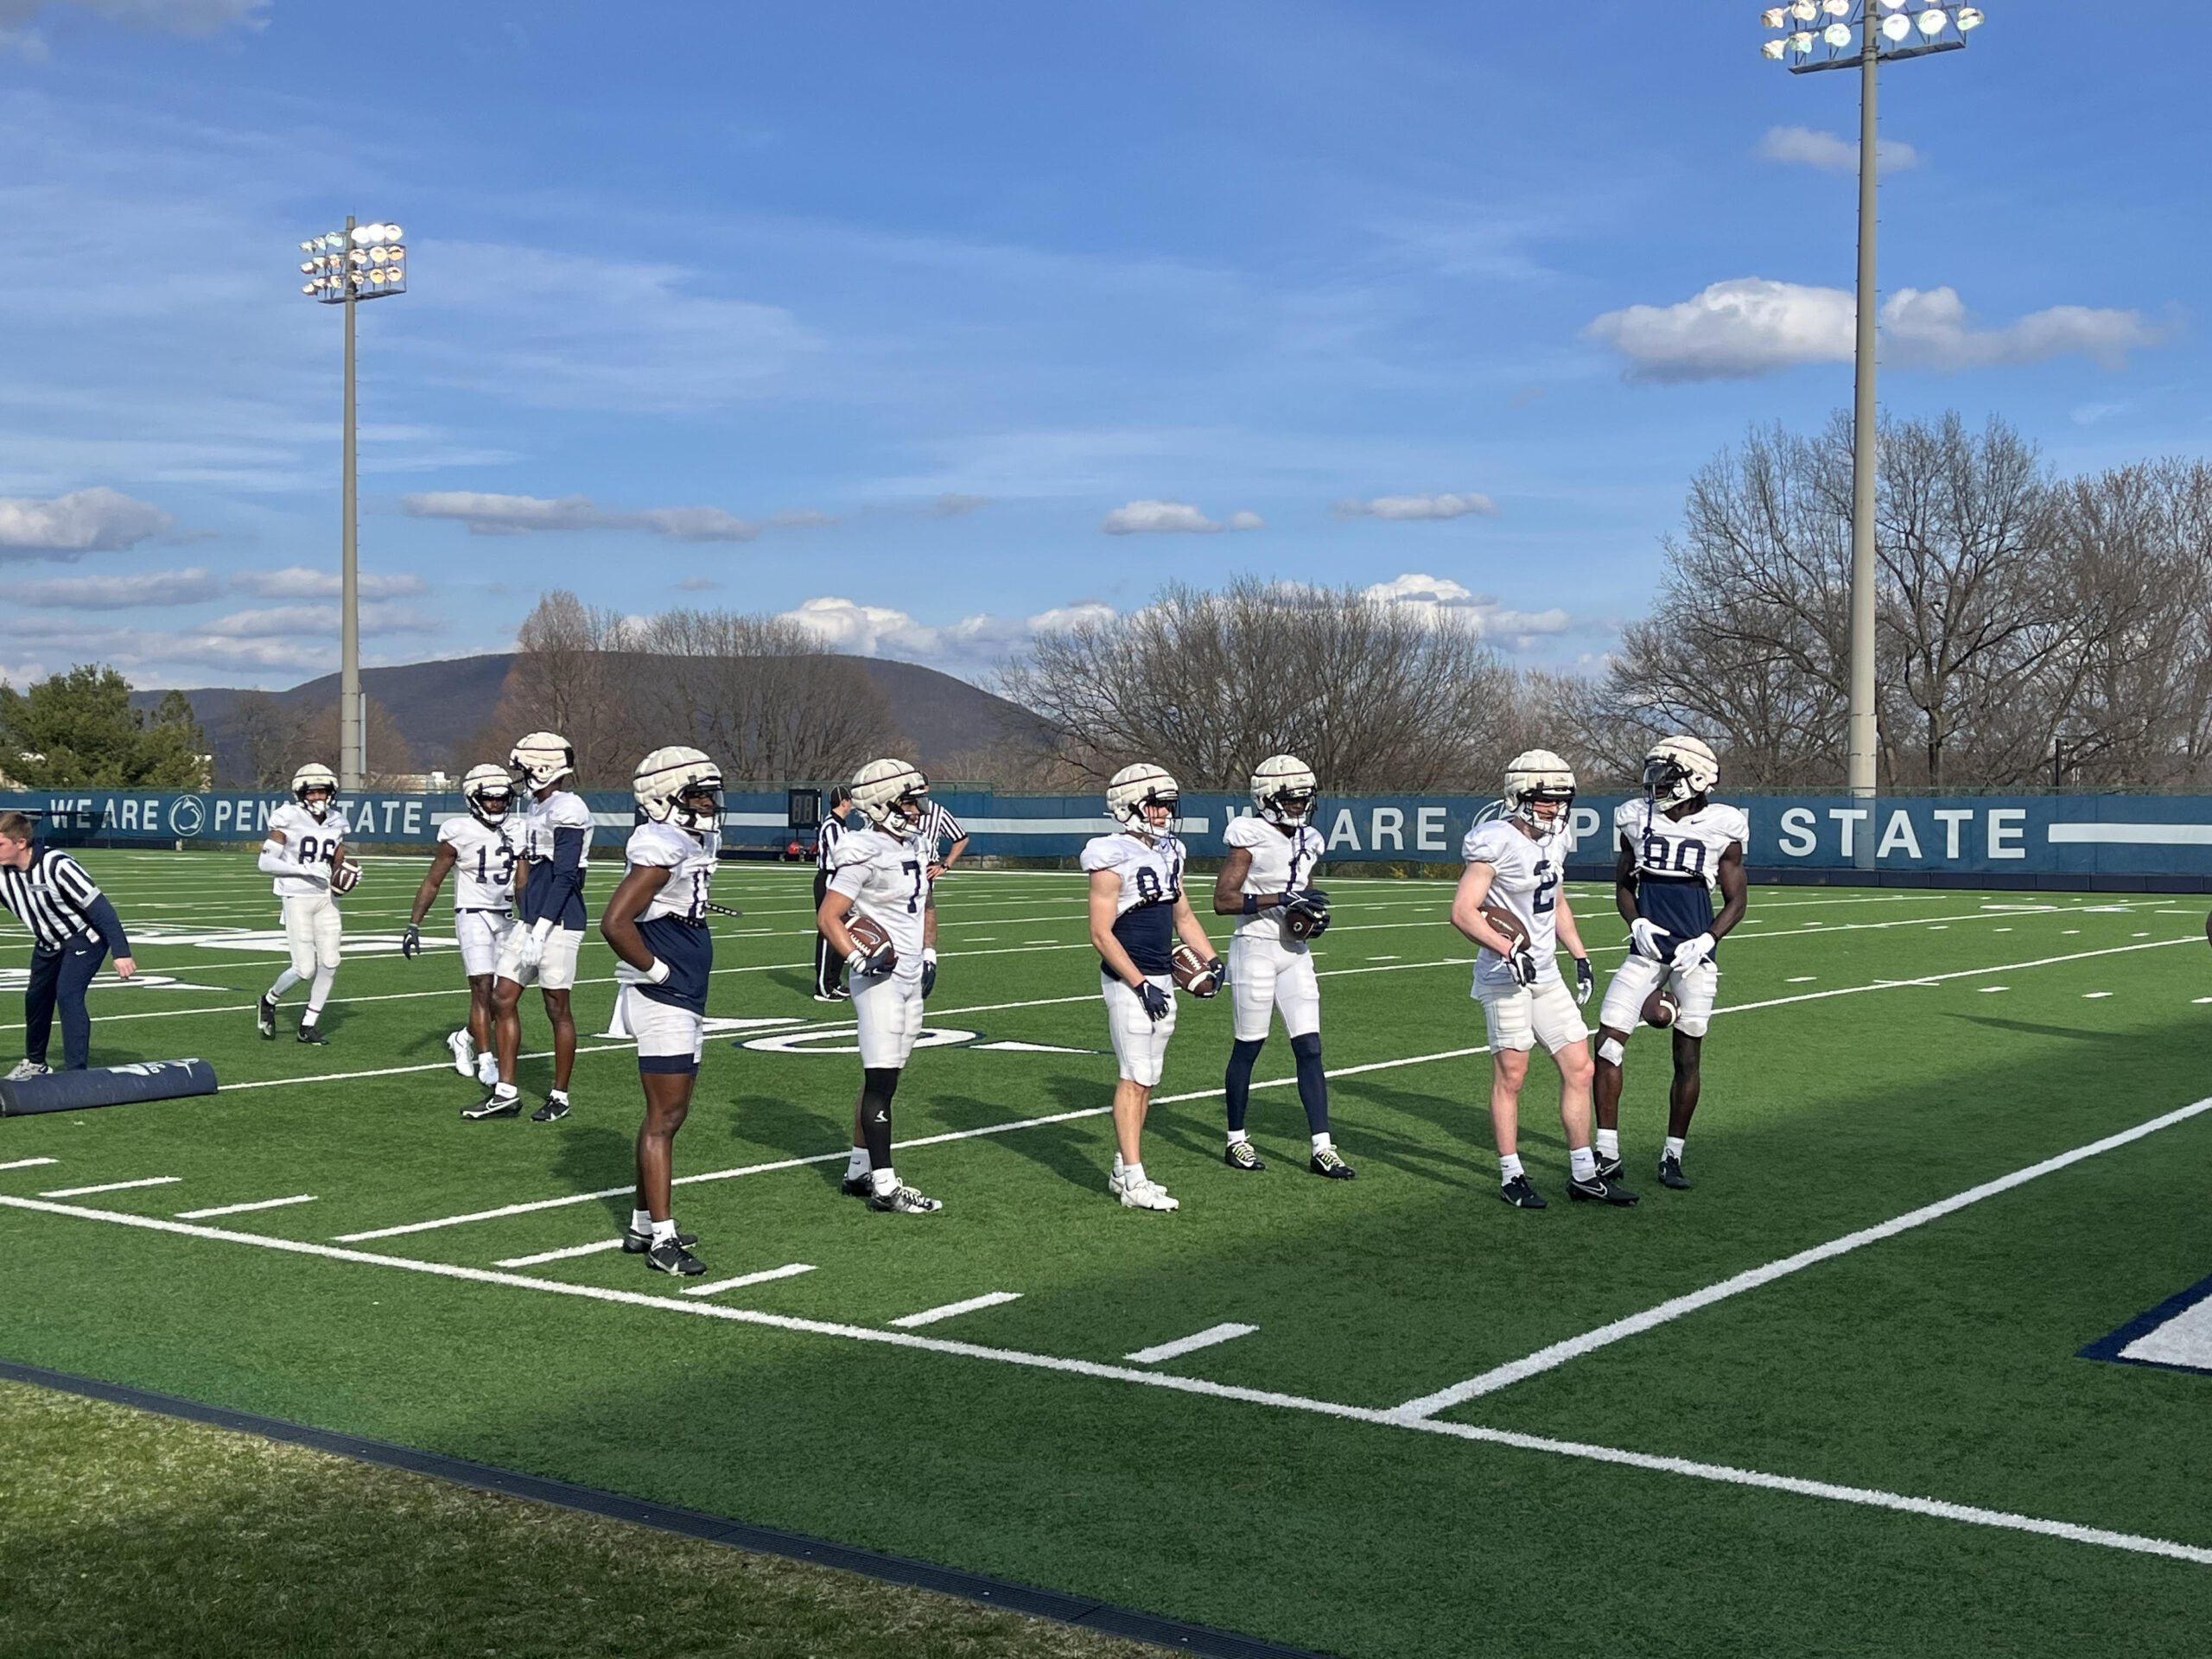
(939, 826)
(827, 965)
(73, 928)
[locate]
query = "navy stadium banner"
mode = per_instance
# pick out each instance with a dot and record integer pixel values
(2057, 841)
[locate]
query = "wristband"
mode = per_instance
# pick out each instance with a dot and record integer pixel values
(1251, 903)
(657, 973)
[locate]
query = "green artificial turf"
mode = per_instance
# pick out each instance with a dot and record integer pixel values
(1938, 1364)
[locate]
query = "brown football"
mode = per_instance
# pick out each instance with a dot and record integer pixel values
(1505, 922)
(1191, 971)
(345, 876)
(869, 936)
(1661, 1008)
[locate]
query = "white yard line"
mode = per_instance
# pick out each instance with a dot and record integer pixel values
(112, 1186)
(1190, 1344)
(953, 1310)
(788, 1270)
(30, 1163)
(240, 1209)
(592, 1248)
(1723, 1473)
(1546, 1359)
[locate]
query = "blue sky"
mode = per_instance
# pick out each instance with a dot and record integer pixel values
(924, 304)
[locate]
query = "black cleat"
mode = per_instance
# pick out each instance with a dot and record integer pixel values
(265, 1019)
(555, 1109)
(1609, 1169)
(494, 1104)
(1326, 1162)
(903, 1201)
(313, 1034)
(637, 1243)
(1241, 1155)
(1670, 1173)
(859, 1186)
(1598, 1190)
(670, 1255)
(1522, 1196)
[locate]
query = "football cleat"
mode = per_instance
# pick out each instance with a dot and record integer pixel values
(494, 1104)
(1326, 1162)
(1148, 1194)
(670, 1255)
(1670, 1173)
(1522, 1196)
(1239, 1155)
(637, 1243)
(1609, 1169)
(1598, 1190)
(862, 1185)
(555, 1109)
(903, 1201)
(27, 1069)
(488, 1068)
(464, 1053)
(310, 1033)
(264, 1018)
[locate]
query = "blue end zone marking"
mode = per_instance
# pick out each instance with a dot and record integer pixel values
(2108, 1348)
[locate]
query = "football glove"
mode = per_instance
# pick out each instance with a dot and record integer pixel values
(1692, 952)
(533, 945)
(1156, 1003)
(929, 973)
(1643, 936)
(1585, 981)
(1522, 962)
(1219, 970)
(410, 942)
(1306, 914)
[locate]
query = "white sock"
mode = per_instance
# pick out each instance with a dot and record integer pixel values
(1509, 1166)
(1609, 1143)
(665, 1231)
(1321, 1142)
(285, 980)
(557, 1094)
(1132, 1174)
(505, 1090)
(641, 1221)
(1582, 1163)
(487, 1068)
(309, 1017)
(1120, 1168)
(886, 1180)
(1675, 1147)
(1234, 1136)
(856, 1164)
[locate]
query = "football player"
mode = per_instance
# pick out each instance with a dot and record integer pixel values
(1268, 880)
(483, 847)
(1517, 861)
(549, 930)
(656, 923)
(880, 871)
(306, 854)
(1138, 911)
(1676, 845)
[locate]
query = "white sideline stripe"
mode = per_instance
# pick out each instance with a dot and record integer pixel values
(952, 1310)
(1190, 1344)
(30, 1163)
(1163, 1100)
(788, 1270)
(1723, 1473)
(240, 1209)
(592, 1248)
(110, 1186)
(1558, 1353)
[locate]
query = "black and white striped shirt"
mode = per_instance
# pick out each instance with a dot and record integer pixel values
(831, 832)
(61, 904)
(938, 827)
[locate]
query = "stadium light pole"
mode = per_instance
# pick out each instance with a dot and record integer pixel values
(1836, 35)
(362, 262)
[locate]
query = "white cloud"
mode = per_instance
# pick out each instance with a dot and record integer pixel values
(119, 593)
(200, 17)
(66, 526)
(1439, 596)
(1156, 517)
(972, 642)
(318, 620)
(1750, 325)
(1831, 153)
(521, 515)
(951, 504)
(1419, 506)
(298, 582)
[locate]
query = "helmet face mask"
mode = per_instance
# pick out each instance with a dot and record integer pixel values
(1679, 769)
(1284, 789)
(680, 787)
(315, 787)
(1144, 800)
(892, 795)
(1535, 781)
(541, 759)
(486, 788)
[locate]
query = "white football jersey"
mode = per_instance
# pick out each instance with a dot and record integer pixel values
(1687, 846)
(689, 861)
(484, 860)
(1282, 861)
(887, 880)
(1526, 883)
(562, 809)
(1144, 910)
(307, 839)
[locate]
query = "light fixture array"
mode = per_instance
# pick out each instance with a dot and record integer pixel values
(367, 264)
(1820, 34)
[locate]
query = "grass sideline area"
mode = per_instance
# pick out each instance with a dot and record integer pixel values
(1829, 1401)
(131, 1533)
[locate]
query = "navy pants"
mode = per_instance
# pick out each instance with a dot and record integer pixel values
(61, 976)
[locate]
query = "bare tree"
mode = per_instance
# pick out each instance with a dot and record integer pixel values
(569, 678)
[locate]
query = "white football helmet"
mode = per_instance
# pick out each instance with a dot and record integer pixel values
(1135, 787)
(1537, 776)
(1283, 788)
(1680, 769)
(314, 776)
(487, 787)
(680, 786)
(892, 795)
(541, 758)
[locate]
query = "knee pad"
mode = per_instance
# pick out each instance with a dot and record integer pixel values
(1308, 1047)
(1610, 1052)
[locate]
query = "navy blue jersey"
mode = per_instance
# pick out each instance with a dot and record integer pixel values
(689, 951)
(1677, 860)
(1681, 904)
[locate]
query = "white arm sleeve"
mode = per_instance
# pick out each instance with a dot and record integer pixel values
(275, 860)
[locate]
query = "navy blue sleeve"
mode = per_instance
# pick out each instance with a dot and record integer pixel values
(109, 925)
